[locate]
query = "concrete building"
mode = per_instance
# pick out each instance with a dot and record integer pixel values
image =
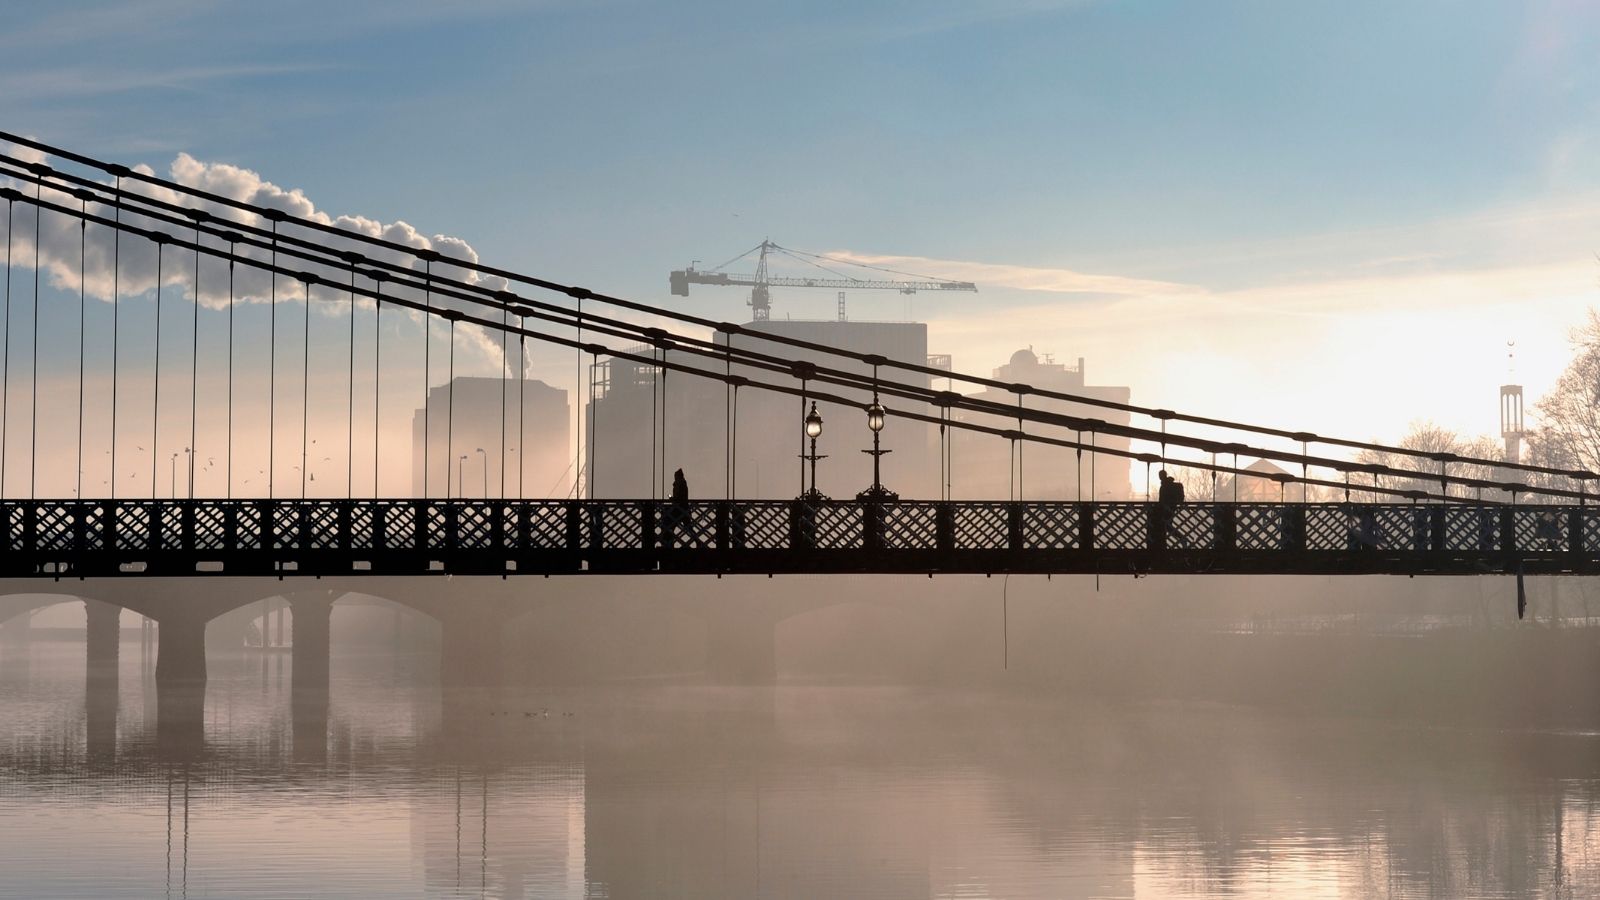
(537, 451)
(985, 467)
(641, 414)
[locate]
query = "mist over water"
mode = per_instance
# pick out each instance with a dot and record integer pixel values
(891, 758)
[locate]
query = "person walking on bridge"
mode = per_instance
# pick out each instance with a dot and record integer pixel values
(1168, 499)
(678, 509)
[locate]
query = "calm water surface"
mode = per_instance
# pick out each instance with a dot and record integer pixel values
(397, 788)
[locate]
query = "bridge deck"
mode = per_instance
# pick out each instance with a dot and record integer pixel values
(55, 539)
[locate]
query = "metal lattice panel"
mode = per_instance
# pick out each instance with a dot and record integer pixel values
(436, 526)
(247, 527)
(911, 527)
(1327, 528)
(1193, 527)
(16, 528)
(759, 526)
(621, 526)
(133, 526)
(171, 518)
(1053, 526)
(362, 516)
(94, 526)
(547, 526)
(839, 527)
(1121, 526)
(981, 526)
(285, 526)
(474, 526)
(399, 527)
(210, 527)
(1541, 529)
(1258, 527)
(1466, 528)
(323, 522)
(691, 528)
(54, 525)
(1591, 529)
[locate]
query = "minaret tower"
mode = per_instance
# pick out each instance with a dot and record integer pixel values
(1511, 409)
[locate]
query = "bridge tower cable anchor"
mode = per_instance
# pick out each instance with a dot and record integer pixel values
(377, 369)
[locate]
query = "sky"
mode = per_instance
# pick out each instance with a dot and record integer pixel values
(1322, 217)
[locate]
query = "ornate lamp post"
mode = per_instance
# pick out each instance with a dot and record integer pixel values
(813, 423)
(875, 421)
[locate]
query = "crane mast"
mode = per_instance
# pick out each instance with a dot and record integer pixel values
(762, 282)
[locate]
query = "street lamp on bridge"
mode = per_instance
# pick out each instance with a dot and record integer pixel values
(875, 421)
(813, 422)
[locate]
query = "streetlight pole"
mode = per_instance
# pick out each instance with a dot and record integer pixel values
(461, 468)
(173, 477)
(484, 459)
(875, 421)
(813, 422)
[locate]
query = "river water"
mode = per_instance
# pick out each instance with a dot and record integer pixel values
(399, 788)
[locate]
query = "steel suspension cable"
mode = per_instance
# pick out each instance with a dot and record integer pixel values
(427, 374)
(231, 247)
(155, 397)
(272, 367)
(194, 362)
(1134, 432)
(33, 379)
(450, 419)
(589, 468)
(83, 272)
(377, 373)
(350, 402)
(655, 375)
(573, 291)
(505, 323)
(522, 407)
(1337, 464)
(116, 305)
(5, 356)
(305, 386)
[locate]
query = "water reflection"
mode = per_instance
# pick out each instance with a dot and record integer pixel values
(388, 785)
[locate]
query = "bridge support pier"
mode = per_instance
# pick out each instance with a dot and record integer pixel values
(310, 658)
(741, 644)
(181, 648)
(100, 684)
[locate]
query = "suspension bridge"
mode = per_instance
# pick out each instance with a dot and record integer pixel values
(1427, 519)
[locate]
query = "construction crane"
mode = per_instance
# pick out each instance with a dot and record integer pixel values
(762, 282)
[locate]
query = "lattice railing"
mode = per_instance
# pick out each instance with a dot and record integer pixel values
(288, 528)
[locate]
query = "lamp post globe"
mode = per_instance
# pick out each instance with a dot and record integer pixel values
(875, 417)
(813, 423)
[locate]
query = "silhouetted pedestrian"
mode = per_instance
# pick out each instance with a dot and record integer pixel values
(677, 508)
(1168, 499)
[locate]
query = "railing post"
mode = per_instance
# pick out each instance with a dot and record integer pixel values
(944, 527)
(524, 527)
(653, 527)
(1508, 528)
(1014, 525)
(1227, 526)
(722, 523)
(302, 524)
(574, 526)
(268, 512)
(186, 518)
(380, 527)
(420, 536)
(802, 525)
(345, 537)
(1086, 510)
(30, 527)
(1294, 527)
(1575, 529)
(80, 527)
(1439, 516)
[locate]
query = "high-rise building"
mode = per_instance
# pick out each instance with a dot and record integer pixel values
(470, 421)
(646, 422)
(986, 467)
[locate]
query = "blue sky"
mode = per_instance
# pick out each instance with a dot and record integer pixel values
(1300, 207)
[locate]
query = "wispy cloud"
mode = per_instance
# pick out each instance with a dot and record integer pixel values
(1026, 278)
(88, 81)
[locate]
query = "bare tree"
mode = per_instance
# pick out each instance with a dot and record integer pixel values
(1569, 416)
